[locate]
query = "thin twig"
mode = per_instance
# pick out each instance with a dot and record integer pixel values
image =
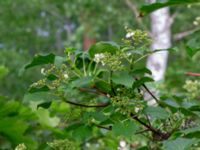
(193, 74)
(83, 105)
(184, 34)
(103, 127)
(150, 93)
(149, 127)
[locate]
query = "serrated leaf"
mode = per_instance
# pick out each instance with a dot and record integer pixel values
(179, 144)
(102, 47)
(123, 78)
(126, 129)
(156, 112)
(82, 132)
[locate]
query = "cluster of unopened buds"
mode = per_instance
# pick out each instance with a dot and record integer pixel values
(192, 88)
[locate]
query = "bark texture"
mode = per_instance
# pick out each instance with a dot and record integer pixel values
(161, 34)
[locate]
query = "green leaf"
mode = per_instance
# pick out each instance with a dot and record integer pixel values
(193, 47)
(156, 112)
(82, 82)
(97, 116)
(141, 71)
(41, 89)
(45, 119)
(52, 77)
(102, 47)
(13, 128)
(39, 96)
(103, 86)
(82, 133)
(41, 60)
(147, 9)
(126, 129)
(123, 78)
(141, 81)
(59, 60)
(44, 105)
(3, 71)
(179, 144)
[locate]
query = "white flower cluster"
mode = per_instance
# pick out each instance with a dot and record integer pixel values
(130, 34)
(21, 147)
(197, 21)
(99, 57)
(66, 76)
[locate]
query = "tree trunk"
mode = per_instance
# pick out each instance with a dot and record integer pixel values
(88, 41)
(161, 34)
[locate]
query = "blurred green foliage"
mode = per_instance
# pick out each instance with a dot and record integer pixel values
(43, 26)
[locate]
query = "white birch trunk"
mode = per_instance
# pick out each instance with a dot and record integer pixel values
(161, 34)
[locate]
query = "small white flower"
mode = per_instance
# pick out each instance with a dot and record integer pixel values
(66, 76)
(195, 23)
(137, 109)
(98, 57)
(198, 18)
(122, 144)
(129, 34)
(21, 147)
(108, 95)
(43, 71)
(129, 54)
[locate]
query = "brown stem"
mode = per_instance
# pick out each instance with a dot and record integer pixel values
(193, 74)
(150, 93)
(83, 105)
(149, 127)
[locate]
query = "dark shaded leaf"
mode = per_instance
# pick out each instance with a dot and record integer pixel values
(103, 47)
(44, 105)
(146, 9)
(41, 60)
(41, 89)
